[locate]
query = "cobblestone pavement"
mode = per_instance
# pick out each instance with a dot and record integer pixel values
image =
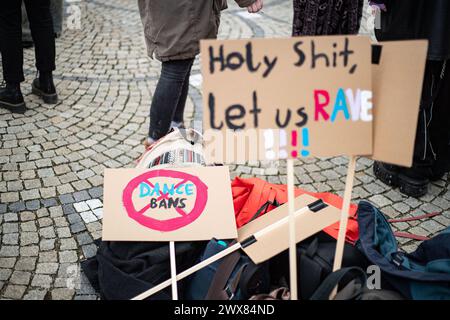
(52, 158)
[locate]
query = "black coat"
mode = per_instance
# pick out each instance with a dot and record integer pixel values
(326, 17)
(418, 19)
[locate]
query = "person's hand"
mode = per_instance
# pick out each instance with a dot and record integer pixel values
(255, 7)
(377, 6)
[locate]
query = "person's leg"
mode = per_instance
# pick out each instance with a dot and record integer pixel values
(178, 117)
(423, 148)
(27, 40)
(10, 41)
(12, 55)
(166, 96)
(41, 25)
(414, 181)
(57, 11)
(440, 125)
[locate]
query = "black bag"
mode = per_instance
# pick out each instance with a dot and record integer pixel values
(121, 270)
(356, 289)
(315, 257)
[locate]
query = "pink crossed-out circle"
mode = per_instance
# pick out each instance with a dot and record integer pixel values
(169, 224)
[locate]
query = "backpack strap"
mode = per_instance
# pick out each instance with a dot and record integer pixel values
(310, 271)
(410, 236)
(333, 279)
(263, 210)
(217, 290)
(429, 215)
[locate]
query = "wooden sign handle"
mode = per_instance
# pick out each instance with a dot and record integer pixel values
(173, 270)
(344, 217)
(292, 238)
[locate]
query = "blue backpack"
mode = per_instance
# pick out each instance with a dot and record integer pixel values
(421, 275)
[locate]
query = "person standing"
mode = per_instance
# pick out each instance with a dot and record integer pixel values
(422, 19)
(57, 12)
(326, 17)
(172, 30)
(41, 25)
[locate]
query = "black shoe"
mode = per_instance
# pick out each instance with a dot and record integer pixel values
(410, 181)
(439, 169)
(44, 87)
(11, 98)
(387, 173)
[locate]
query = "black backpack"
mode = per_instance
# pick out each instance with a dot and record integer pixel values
(315, 257)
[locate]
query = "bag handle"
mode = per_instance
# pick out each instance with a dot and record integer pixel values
(333, 279)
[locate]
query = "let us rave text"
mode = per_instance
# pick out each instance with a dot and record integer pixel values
(349, 104)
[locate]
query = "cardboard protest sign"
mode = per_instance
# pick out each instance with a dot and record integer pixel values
(286, 98)
(168, 204)
(277, 241)
(397, 76)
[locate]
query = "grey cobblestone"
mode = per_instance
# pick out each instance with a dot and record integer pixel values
(42, 281)
(35, 294)
(14, 291)
(29, 251)
(20, 277)
(26, 264)
(47, 268)
(62, 294)
(7, 262)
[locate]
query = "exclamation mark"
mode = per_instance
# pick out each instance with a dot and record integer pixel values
(294, 143)
(283, 142)
(269, 144)
(305, 142)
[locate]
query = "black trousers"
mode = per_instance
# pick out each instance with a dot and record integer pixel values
(41, 25)
(170, 96)
(432, 145)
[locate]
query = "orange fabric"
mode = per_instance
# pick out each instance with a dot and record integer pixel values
(250, 194)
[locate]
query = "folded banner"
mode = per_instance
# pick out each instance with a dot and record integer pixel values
(287, 98)
(168, 205)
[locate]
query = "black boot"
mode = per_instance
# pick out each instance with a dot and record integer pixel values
(45, 88)
(11, 98)
(410, 181)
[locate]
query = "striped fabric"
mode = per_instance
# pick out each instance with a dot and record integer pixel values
(179, 156)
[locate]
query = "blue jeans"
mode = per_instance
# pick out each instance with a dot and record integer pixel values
(170, 96)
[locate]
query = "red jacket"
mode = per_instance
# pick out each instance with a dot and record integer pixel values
(249, 195)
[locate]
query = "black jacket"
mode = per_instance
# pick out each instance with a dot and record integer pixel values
(418, 19)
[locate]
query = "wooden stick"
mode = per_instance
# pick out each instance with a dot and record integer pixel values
(344, 217)
(216, 257)
(189, 271)
(292, 238)
(173, 270)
